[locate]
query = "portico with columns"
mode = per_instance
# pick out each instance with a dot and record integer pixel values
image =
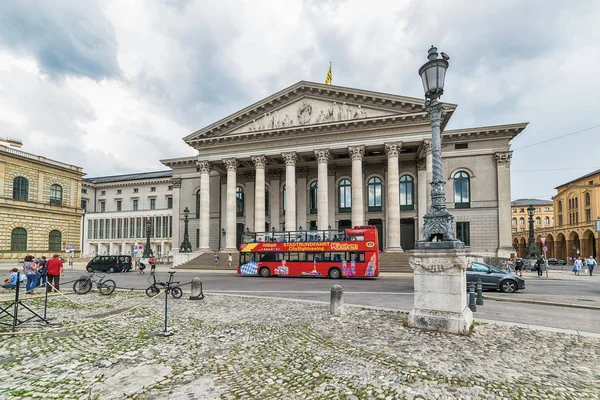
(319, 157)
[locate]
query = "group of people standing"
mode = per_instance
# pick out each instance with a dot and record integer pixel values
(590, 263)
(37, 272)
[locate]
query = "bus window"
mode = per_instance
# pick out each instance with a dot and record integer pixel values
(360, 257)
(265, 257)
(335, 256)
(314, 256)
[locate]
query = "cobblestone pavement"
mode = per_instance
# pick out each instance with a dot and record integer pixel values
(249, 348)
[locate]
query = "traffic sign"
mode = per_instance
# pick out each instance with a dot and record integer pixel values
(72, 247)
(543, 239)
(545, 249)
(140, 247)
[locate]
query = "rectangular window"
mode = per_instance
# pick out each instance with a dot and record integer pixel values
(135, 204)
(113, 224)
(102, 206)
(95, 235)
(153, 204)
(166, 227)
(463, 232)
(459, 146)
(135, 190)
(118, 191)
(157, 223)
(514, 230)
(588, 215)
(126, 228)
(118, 205)
(132, 228)
(83, 204)
(153, 188)
(119, 228)
(170, 188)
(197, 238)
(90, 231)
(101, 230)
(170, 226)
(102, 192)
(138, 227)
(169, 202)
(591, 183)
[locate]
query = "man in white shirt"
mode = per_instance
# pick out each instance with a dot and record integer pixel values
(590, 263)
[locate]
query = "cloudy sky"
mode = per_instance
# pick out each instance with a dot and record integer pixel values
(113, 86)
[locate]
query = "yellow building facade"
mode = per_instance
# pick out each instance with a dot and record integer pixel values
(40, 205)
(576, 206)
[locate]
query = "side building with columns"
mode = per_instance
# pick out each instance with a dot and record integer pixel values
(117, 208)
(315, 156)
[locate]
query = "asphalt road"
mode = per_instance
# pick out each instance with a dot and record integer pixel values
(396, 292)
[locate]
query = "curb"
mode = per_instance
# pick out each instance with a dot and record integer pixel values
(542, 302)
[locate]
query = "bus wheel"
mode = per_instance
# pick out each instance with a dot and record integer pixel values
(335, 273)
(264, 272)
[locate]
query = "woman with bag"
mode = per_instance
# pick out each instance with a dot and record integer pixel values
(31, 273)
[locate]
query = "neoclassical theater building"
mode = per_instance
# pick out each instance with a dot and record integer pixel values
(318, 157)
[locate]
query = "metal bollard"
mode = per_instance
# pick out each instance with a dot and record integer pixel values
(336, 307)
(472, 305)
(479, 301)
(196, 293)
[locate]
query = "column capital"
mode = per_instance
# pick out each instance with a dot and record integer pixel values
(275, 174)
(322, 156)
(259, 161)
(392, 149)
(231, 164)
(203, 166)
(421, 164)
(356, 152)
(176, 183)
(425, 148)
(503, 158)
(290, 158)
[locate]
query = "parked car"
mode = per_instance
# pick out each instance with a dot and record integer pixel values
(493, 278)
(109, 264)
(556, 261)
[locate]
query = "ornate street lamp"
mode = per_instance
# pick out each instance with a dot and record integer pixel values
(438, 221)
(532, 249)
(147, 249)
(186, 246)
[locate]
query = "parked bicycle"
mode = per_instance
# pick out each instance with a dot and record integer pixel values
(170, 286)
(84, 285)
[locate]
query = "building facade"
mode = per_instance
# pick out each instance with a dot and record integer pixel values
(118, 208)
(316, 156)
(576, 205)
(40, 212)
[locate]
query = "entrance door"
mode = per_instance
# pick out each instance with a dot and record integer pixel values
(378, 223)
(407, 233)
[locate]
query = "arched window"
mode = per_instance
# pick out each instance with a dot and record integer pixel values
(560, 205)
(239, 201)
(374, 194)
(20, 189)
(198, 203)
(55, 241)
(18, 240)
(588, 199)
(407, 192)
(521, 221)
(538, 221)
(514, 221)
(267, 199)
(345, 195)
(313, 194)
(547, 221)
(462, 192)
(56, 195)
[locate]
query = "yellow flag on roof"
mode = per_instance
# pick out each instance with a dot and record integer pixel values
(328, 78)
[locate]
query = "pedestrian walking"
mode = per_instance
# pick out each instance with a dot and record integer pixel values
(152, 263)
(55, 271)
(216, 260)
(509, 266)
(538, 265)
(30, 271)
(43, 271)
(230, 260)
(519, 267)
(590, 263)
(577, 264)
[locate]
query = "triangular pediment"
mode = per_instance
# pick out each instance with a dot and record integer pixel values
(309, 103)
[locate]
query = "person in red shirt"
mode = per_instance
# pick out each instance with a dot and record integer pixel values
(55, 271)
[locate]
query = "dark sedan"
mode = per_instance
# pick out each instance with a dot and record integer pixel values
(494, 279)
(556, 261)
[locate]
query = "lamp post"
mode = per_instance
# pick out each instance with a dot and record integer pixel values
(532, 250)
(147, 248)
(438, 221)
(186, 246)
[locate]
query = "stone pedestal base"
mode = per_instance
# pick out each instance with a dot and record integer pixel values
(440, 283)
(394, 250)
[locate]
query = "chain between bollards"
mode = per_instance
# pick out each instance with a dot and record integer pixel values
(479, 301)
(472, 305)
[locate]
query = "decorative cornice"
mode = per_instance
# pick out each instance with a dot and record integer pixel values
(259, 161)
(356, 152)
(290, 158)
(322, 156)
(393, 149)
(203, 166)
(503, 159)
(230, 164)
(509, 130)
(421, 164)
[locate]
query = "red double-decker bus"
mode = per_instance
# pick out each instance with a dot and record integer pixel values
(335, 254)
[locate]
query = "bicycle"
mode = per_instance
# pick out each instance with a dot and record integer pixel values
(84, 285)
(170, 287)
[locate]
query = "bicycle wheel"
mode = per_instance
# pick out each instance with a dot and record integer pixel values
(82, 286)
(106, 287)
(152, 291)
(176, 292)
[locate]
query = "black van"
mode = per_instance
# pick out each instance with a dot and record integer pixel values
(109, 264)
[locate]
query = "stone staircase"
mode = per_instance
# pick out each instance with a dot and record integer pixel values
(394, 262)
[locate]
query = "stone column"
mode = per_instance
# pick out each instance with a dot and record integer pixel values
(422, 194)
(290, 190)
(322, 157)
(259, 193)
(176, 213)
(429, 170)
(357, 154)
(204, 167)
(275, 195)
(331, 195)
(301, 201)
(230, 217)
(393, 197)
(504, 207)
